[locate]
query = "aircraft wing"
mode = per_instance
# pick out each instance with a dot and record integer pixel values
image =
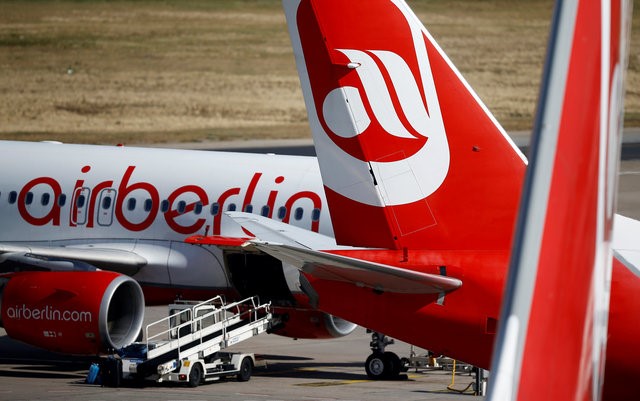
(121, 261)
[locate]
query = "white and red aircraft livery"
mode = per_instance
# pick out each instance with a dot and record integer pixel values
(421, 177)
(69, 209)
(557, 296)
(417, 173)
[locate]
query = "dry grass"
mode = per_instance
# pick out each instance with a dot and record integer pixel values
(144, 71)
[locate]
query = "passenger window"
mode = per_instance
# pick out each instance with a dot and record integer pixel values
(282, 212)
(62, 200)
(215, 208)
(248, 209)
(44, 200)
(148, 205)
(13, 195)
(298, 214)
(265, 211)
(182, 206)
(106, 202)
(198, 208)
(80, 201)
(315, 215)
(232, 207)
(164, 206)
(131, 203)
(29, 198)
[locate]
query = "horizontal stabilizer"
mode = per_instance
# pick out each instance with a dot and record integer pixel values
(376, 276)
(269, 230)
(302, 249)
(217, 240)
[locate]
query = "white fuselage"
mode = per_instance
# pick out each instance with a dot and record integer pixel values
(147, 201)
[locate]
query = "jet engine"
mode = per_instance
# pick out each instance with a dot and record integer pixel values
(82, 313)
(306, 323)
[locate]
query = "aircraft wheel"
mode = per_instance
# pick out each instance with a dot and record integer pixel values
(392, 365)
(375, 366)
(195, 376)
(246, 368)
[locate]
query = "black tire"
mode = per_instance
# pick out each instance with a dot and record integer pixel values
(375, 366)
(195, 376)
(246, 368)
(392, 365)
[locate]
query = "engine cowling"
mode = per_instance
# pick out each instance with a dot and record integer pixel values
(312, 324)
(81, 313)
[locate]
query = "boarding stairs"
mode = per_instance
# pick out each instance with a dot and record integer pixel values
(199, 330)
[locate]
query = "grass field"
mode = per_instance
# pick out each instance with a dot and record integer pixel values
(195, 70)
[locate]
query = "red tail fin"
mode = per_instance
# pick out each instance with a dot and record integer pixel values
(410, 157)
(556, 303)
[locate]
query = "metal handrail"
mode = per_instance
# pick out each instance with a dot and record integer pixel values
(218, 315)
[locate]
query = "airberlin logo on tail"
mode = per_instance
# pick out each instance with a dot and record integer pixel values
(377, 104)
(346, 114)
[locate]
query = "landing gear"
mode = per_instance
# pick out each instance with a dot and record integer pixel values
(381, 364)
(374, 366)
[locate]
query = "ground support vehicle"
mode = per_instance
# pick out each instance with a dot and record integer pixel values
(188, 345)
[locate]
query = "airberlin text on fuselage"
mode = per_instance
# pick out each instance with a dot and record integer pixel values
(127, 185)
(23, 312)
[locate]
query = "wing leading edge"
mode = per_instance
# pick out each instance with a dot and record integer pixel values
(117, 260)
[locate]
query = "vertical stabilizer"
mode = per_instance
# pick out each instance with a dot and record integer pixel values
(409, 155)
(557, 296)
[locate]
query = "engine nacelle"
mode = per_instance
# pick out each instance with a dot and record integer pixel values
(306, 323)
(72, 312)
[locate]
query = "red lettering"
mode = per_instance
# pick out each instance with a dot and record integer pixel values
(53, 216)
(124, 190)
(171, 214)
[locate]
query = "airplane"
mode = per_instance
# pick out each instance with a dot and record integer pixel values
(93, 233)
(143, 238)
(424, 188)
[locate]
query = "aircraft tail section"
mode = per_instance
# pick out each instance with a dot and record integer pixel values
(409, 155)
(557, 296)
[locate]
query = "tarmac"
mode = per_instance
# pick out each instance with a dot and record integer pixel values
(296, 369)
